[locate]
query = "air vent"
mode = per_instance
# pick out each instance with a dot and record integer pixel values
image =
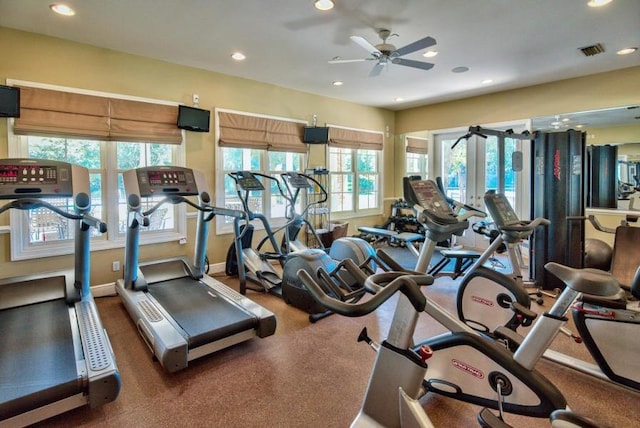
(592, 50)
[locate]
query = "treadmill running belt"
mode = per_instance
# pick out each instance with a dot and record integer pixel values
(205, 316)
(37, 359)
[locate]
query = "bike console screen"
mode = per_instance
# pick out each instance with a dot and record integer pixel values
(431, 200)
(500, 209)
(27, 178)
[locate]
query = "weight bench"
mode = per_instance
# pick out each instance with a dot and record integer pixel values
(463, 258)
(407, 238)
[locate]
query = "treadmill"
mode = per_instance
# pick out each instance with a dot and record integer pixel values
(55, 354)
(180, 312)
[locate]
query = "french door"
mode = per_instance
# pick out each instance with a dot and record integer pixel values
(470, 167)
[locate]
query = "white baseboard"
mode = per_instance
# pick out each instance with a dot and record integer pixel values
(104, 290)
(217, 267)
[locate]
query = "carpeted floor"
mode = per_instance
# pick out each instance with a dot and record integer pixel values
(306, 375)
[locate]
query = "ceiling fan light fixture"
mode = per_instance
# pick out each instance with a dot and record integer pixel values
(62, 9)
(430, 54)
(323, 4)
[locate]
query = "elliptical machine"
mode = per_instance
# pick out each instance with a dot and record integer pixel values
(254, 265)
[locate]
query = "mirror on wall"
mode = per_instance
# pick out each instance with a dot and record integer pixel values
(614, 137)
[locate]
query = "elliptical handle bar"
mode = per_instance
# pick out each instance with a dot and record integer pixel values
(526, 227)
(395, 281)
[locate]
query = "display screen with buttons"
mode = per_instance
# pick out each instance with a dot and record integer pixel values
(160, 178)
(28, 174)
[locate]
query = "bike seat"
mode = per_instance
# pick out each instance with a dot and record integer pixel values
(587, 281)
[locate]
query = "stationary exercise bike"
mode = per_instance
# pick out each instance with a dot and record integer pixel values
(462, 364)
(485, 296)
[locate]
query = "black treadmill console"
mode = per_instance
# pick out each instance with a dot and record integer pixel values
(34, 177)
(500, 209)
(166, 180)
(296, 180)
(425, 193)
(247, 181)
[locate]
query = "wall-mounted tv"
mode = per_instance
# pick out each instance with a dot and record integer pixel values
(316, 135)
(193, 119)
(9, 101)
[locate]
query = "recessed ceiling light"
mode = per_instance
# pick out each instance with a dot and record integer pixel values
(399, 99)
(238, 56)
(556, 123)
(598, 3)
(430, 54)
(487, 81)
(461, 69)
(626, 51)
(579, 126)
(323, 4)
(566, 119)
(337, 83)
(62, 9)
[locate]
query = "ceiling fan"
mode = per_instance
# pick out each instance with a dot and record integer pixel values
(385, 53)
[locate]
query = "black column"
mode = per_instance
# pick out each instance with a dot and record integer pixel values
(558, 165)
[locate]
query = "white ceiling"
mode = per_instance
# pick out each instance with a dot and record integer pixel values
(516, 43)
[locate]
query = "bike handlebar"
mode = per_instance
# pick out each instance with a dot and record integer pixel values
(526, 227)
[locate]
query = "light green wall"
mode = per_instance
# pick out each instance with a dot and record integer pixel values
(37, 58)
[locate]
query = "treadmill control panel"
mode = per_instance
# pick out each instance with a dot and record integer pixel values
(31, 177)
(164, 180)
(247, 181)
(296, 180)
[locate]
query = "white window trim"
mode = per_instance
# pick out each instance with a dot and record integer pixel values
(21, 250)
(223, 228)
(357, 213)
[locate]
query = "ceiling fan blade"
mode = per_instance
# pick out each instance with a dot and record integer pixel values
(376, 70)
(341, 61)
(415, 46)
(361, 41)
(412, 63)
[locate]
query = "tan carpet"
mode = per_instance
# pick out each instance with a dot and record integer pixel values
(306, 375)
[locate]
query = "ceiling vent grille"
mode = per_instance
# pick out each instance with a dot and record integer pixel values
(592, 50)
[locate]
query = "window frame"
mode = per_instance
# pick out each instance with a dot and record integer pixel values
(223, 228)
(22, 249)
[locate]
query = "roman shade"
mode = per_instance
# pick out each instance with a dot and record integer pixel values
(255, 132)
(68, 114)
(416, 145)
(355, 139)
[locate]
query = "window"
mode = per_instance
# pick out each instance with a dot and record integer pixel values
(255, 143)
(355, 157)
(417, 164)
(354, 172)
(44, 233)
(417, 159)
(106, 134)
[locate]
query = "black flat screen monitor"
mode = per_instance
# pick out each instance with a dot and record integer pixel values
(193, 119)
(9, 101)
(316, 135)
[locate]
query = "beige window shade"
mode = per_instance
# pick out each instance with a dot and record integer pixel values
(416, 145)
(252, 132)
(355, 139)
(50, 112)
